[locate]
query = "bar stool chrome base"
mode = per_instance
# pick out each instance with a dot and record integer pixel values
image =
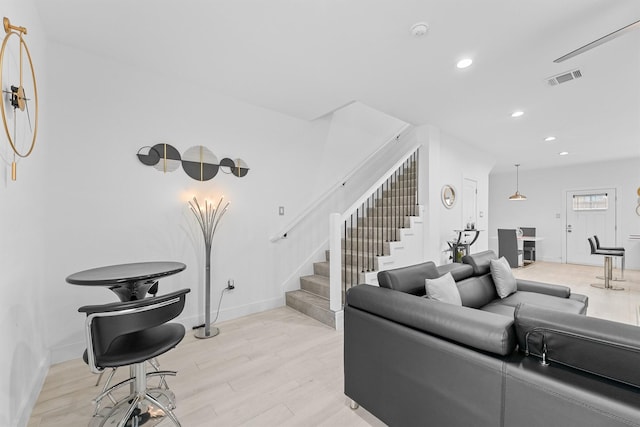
(201, 332)
(608, 273)
(149, 416)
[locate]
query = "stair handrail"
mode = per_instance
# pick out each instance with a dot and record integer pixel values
(282, 234)
(335, 228)
(366, 194)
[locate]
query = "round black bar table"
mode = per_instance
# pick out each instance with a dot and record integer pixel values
(129, 281)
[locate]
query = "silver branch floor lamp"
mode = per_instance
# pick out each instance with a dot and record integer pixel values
(208, 218)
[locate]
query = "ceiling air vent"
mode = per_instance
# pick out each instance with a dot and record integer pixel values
(564, 77)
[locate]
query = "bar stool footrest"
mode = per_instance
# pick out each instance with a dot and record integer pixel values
(611, 288)
(615, 279)
(150, 416)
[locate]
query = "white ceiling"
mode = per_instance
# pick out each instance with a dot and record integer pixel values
(308, 57)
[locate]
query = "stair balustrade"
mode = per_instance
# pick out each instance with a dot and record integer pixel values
(363, 232)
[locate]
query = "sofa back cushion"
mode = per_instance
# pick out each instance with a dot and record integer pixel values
(408, 279)
(476, 292)
(601, 347)
(458, 270)
(480, 261)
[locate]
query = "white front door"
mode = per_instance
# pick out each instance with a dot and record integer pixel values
(589, 213)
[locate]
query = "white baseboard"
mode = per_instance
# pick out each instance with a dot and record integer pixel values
(339, 320)
(62, 353)
(234, 312)
(24, 413)
(74, 350)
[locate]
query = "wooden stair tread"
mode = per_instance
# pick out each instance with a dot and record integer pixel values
(311, 305)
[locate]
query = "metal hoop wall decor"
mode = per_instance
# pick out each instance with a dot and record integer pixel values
(198, 161)
(15, 98)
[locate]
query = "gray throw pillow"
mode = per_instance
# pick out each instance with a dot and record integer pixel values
(443, 289)
(503, 277)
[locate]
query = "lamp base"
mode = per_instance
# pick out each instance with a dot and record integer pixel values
(200, 332)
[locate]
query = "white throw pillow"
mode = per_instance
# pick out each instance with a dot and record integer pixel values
(443, 289)
(503, 277)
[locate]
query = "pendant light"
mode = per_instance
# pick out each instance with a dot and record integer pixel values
(517, 195)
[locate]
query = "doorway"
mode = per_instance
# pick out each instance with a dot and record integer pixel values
(469, 202)
(588, 213)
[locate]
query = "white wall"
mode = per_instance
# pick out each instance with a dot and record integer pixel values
(545, 205)
(359, 145)
(449, 161)
(105, 207)
(23, 216)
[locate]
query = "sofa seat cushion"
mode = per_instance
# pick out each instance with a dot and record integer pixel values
(499, 308)
(566, 305)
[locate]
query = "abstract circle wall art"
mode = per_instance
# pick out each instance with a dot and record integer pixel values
(198, 162)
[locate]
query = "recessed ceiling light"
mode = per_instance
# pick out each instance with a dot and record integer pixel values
(550, 138)
(464, 63)
(563, 153)
(517, 113)
(419, 29)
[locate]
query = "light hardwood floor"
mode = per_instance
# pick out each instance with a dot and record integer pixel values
(281, 368)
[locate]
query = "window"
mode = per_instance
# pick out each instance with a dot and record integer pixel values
(590, 202)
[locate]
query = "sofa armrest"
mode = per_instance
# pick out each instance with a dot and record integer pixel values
(543, 288)
(474, 328)
(601, 347)
(480, 261)
(408, 279)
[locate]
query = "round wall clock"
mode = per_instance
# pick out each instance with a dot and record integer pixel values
(448, 196)
(19, 93)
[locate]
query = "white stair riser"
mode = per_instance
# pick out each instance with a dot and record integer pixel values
(374, 234)
(384, 221)
(360, 245)
(398, 198)
(387, 210)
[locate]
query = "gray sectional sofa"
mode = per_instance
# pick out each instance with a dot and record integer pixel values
(477, 289)
(530, 359)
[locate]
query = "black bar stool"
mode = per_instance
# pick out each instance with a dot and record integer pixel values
(608, 267)
(130, 334)
(617, 249)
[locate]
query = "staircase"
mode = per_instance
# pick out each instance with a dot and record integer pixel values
(370, 237)
(312, 298)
